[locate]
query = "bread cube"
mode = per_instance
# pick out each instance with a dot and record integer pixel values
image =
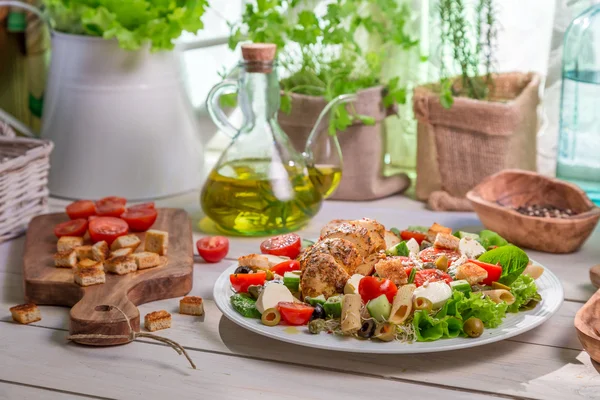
(67, 259)
(25, 313)
(157, 320)
(128, 241)
(90, 264)
(435, 229)
(100, 251)
(120, 265)
(146, 259)
(191, 305)
(84, 252)
(446, 241)
(157, 242)
(471, 272)
(121, 252)
(68, 243)
(89, 276)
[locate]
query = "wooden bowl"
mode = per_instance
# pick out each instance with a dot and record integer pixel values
(494, 196)
(587, 323)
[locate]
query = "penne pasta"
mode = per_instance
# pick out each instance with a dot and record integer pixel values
(499, 295)
(351, 313)
(402, 306)
(534, 271)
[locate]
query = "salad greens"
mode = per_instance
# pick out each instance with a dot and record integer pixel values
(245, 305)
(417, 228)
(490, 238)
(512, 259)
(525, 290)
(131, 22)
(428, 328)
(466, 305)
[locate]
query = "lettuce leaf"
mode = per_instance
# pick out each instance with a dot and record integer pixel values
(131, 22)
(512, 259)
(428, 328)
(463, 307)
(525, 290)
(489, 238)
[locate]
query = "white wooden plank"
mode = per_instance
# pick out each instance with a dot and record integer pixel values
(143, 371)
(12, 391)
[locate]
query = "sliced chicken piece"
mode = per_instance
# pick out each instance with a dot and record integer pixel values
(365, 235)
(391, 239)
(343, 251)
(332, 225)
(368, 265)
(323, 275)
(392, 268)
(260, 261)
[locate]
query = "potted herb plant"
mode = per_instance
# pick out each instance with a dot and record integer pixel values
(326, 53)
(475, 124)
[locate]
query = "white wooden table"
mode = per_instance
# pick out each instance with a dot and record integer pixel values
(37, 362)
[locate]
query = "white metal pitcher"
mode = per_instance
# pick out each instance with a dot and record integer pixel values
(121, 121)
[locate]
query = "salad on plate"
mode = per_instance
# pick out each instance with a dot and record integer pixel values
(359, 279)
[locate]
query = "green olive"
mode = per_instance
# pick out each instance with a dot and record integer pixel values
(442, 263)
(422, 303)
(270, 317)
(498, 285)
(385, 332)
(255, 290)
(473, 327)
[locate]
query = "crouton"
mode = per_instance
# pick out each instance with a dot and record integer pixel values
(100, 251)
(392, 268)
(191, 305)
(157, 242)
(90, 264)
(260, 261)
(68, 243)
(446, 241)
(435, 229)
(127, 241)
(84, 252)
(121, 252)
(25, 313)
(157, 320)
(120, 265)
(471, 272)
(146, 260)
(67, 259)
(89, 276)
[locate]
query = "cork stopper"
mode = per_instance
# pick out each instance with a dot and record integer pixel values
(259, 57)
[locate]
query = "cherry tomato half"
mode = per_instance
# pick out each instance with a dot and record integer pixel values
(241, 282)
(213, 248)
(111, 206)
(286, 266)
(142, 206)
(371, 287)
(431, 275)
(295, 313)
(140, 220)
(81, 209)
(75, 227)
(107, 228)
(418, 236)
(431, 254)
(494, 271)
(112, 199)
(288, 245)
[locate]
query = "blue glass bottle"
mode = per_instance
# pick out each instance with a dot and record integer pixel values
(578, 158)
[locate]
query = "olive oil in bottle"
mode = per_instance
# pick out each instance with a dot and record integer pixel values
(326, 178)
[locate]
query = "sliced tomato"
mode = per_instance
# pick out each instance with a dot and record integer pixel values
(75, 227)
(286, 266)
(371, 287)
(142, 206)
(418, 236)
(494, 271)
(213, 248)
(81, 209)
(431, 254)
(111, 206)
(241, 282)
(139, 220)
(295, 313)
(107, 228)
(431, 275)
(112, 199)
(288, 245)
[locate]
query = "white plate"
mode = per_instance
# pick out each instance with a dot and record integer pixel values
(514, 324)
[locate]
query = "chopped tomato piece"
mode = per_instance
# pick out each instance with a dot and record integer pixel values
(286, 266)
(431, 275)
(142, 206)
(431, 254)
(76, 227)
(371, 287)
(418, 236)
(241, 282)
(288, 245)
(494, 271)
(295, 313)
(140, 220)
(112, 199)
(213, 248)
(81, 209)
(107, 228)
(111, 206)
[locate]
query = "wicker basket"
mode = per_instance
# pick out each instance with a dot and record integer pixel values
(24, 165)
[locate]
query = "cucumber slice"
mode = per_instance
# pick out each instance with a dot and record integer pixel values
(379, 308)
(461, 286)
(401, 249)
(333, 306)
(418, 228)
(292, 281)
(313, 301)
(461, 234)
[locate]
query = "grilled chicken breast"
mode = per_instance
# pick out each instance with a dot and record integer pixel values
(322, 275)
(342, 251)
(367, 236)
(392, 268)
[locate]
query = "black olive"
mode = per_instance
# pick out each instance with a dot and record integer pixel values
(318, 313)
(243, 270)
(367, 329)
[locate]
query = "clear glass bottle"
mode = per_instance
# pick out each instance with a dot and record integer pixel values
(578, 157)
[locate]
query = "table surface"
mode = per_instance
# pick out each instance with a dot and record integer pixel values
(37, 362)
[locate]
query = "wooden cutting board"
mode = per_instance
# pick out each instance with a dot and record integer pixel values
(46, 284)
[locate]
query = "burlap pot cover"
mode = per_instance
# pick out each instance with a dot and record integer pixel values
(460, 146)
(362, 145)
